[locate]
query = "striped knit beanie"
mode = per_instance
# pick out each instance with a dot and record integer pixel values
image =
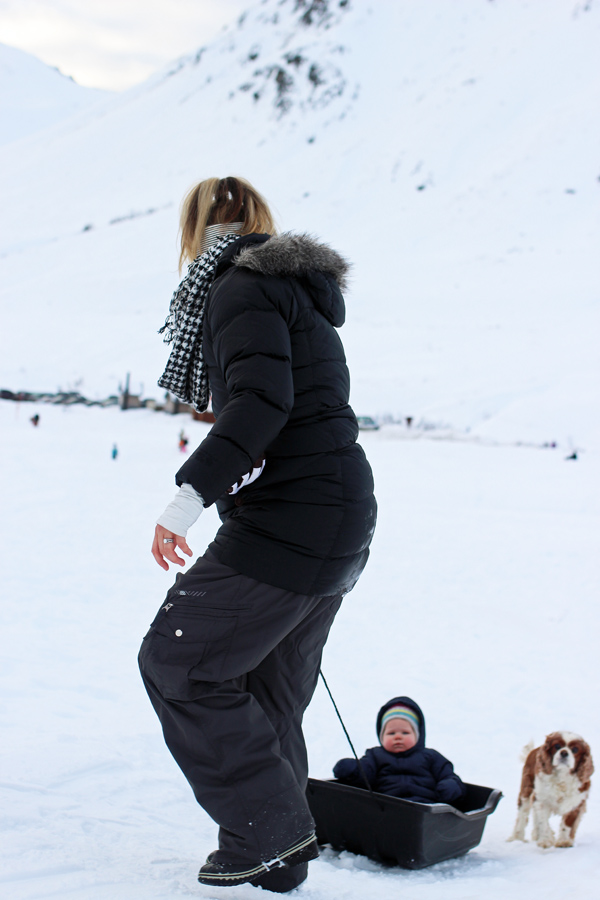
(400, 712)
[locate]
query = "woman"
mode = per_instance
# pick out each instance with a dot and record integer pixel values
(231, 661)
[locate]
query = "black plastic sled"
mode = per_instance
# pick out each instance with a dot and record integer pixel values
(398, 832)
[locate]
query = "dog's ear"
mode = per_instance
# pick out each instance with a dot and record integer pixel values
(584, 765)
(548, 749)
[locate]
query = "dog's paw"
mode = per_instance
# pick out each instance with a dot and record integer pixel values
(517, 837)
(545, 843)
(566, 842)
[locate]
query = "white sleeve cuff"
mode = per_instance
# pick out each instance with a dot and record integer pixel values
(183, 511)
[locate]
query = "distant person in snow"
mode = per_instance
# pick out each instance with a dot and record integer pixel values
(402, 766)
(183, 441)
(35, 420)
(232, 658)
(114, 451)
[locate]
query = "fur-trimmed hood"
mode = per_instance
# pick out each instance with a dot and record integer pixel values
(301, 256)
(298, 255)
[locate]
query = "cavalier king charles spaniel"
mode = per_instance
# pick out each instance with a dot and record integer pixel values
(556, 781)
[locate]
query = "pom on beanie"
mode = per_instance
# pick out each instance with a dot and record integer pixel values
(400, 712)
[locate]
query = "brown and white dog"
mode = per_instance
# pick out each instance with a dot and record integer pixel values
(556, 781)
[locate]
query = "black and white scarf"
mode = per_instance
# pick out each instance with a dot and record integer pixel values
(185, 374)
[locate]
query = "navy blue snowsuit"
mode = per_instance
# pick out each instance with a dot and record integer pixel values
(418, 774)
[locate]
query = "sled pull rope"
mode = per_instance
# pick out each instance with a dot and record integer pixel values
(362, 771)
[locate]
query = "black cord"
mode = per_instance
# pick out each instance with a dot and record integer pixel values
(362, 771)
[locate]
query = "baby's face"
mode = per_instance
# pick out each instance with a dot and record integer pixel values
(398, 736)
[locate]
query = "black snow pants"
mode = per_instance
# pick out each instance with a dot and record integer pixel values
(230, 665)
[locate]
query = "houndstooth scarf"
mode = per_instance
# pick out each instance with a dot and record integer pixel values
(185, 375)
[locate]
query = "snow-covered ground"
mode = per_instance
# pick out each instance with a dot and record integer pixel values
(480, 601)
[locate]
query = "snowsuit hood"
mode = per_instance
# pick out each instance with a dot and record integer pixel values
(405, 701)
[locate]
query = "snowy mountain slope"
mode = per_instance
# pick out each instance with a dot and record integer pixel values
(450, 150)
(34, 96)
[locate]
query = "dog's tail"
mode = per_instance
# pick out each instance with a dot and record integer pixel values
(527, 750)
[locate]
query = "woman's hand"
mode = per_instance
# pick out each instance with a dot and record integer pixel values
(164, 546)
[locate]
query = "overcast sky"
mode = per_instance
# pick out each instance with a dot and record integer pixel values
(113, 44)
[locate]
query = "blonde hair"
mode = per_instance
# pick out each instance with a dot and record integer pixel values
(218, 201)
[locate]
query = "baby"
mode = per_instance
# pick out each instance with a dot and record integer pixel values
(402, 766)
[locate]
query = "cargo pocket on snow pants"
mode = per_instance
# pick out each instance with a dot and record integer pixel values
(187, 643)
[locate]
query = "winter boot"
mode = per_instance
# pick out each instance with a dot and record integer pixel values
(223, 874)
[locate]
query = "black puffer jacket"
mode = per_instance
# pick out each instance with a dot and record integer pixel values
(280, 387)
(418, 774)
